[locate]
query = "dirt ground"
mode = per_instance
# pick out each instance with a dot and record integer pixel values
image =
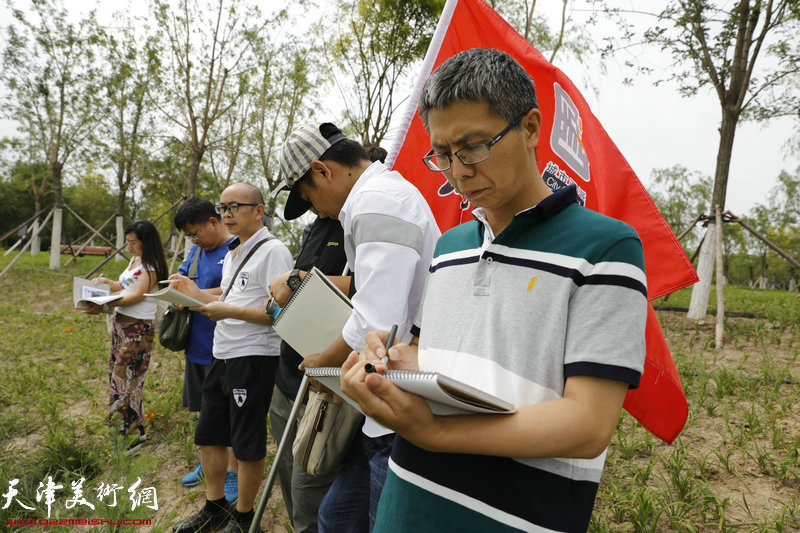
(172, 496)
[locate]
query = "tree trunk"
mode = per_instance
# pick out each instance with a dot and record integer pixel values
(727, 131)
(58, 214)
(698, 306)
(55, 239)
(719, 330)
(36, 241)
(120, 235)
(702, 289)
(194, 169)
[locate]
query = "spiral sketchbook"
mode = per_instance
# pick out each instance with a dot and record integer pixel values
(314, 316)
(170, 295)
(445, 395)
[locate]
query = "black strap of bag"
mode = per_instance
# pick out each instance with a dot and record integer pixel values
(255, 247)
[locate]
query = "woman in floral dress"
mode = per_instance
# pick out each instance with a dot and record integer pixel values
(133, 327)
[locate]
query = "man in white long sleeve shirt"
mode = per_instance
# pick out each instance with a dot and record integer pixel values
(389, 236)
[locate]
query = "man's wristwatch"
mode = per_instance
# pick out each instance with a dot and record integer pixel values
(106, 308)
(293, 281)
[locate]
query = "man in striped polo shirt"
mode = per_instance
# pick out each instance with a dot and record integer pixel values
(538, 301)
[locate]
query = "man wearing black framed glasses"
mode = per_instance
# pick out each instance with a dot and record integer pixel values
(238, 387)
(538, 301)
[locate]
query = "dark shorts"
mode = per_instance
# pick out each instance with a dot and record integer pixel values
(194, 374)
(236, 396)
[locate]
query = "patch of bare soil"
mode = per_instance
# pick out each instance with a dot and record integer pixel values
(750, 347)
(176, 502)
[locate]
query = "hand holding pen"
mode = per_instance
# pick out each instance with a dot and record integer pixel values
(369, 367)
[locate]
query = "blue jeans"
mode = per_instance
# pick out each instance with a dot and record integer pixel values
(351, 504)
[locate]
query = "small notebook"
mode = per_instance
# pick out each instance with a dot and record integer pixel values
(170, 295)
(444, 395)
(314, 316)
(85, 291)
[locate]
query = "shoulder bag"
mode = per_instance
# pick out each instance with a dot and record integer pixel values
(173, 328)
(325, 433)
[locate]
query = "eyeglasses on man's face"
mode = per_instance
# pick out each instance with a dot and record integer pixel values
(194, 236)
(233, 207)
(469, 155)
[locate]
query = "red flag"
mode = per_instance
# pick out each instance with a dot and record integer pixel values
(573, 148)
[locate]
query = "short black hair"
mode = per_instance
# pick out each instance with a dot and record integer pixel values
(376, 153)
(480, 75)
(195, 210)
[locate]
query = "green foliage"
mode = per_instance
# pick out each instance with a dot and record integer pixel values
(91, 199)
(376, 44)
(286, 94)
(566, 37)
(128, 131)
(681, 195)
(727, 47)
(779, 222)
(50, 73)
(208, 59)
(16, 191)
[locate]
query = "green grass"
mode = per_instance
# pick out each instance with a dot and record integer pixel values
(53, 403)
(735, 467)
(775, 306)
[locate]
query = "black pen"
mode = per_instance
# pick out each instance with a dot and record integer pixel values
(369, 367)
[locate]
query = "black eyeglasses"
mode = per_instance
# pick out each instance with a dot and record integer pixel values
(194, 236)
(233, 207)
(469, 155)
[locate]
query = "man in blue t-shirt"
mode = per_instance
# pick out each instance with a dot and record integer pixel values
(201, 223)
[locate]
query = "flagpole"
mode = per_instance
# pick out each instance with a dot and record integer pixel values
(427, 67)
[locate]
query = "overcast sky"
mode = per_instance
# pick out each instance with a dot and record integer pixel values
(654, 127)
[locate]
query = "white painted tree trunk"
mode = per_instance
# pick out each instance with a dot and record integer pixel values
(698, 306)
(792, 285)
(762, 282)
(55, 240)
(120, 236)
(36, 241)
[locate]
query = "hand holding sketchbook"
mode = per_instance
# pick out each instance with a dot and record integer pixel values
(444, 395)
(84, 291)
(314, 316)
(172, 296)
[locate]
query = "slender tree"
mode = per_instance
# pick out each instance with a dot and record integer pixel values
(128, 84)
(50, 72)
(746, 52)
(285, 94)
(208, 56)
(680, 196)
(375, 45)
(564, 39)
